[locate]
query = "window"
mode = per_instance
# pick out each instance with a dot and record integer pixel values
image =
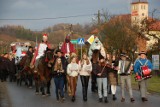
(135, 18)
(142, 7)
(142, 14)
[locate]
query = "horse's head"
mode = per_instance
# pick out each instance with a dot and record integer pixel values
(49, 57)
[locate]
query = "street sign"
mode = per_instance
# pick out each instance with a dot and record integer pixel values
(81, 41)
(91, 39)
(74, 41)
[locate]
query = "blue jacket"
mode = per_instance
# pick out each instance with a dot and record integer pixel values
(137, 65)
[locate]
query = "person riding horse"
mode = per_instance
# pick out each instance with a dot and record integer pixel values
(41, 59)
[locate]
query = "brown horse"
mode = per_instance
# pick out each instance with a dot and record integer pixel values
(25, 73)
(43, 75)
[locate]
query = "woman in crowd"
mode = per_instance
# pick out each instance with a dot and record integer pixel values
(59, 78)
(85, 72)
(113, 77)
(72, 71)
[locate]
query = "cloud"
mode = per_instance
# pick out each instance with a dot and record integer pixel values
(56, 8)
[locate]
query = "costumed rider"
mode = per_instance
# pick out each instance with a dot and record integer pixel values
(39, 52)
(67, 47)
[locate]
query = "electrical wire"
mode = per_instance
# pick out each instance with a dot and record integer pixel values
(50, 18)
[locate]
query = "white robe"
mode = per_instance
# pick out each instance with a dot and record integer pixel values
(41, 50)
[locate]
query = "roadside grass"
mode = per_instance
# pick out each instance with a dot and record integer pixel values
(153, 84)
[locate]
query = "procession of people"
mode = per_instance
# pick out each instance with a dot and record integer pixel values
(65, 68)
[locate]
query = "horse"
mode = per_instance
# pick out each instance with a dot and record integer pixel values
(4, 68)
(24, 72)
(43, 74)
(96, 51)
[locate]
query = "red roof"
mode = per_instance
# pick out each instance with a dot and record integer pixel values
(155, 26)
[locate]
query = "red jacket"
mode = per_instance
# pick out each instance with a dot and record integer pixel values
(71, 48)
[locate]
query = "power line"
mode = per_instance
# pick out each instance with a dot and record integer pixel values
(51, 18)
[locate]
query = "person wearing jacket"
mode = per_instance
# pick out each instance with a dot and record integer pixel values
(137, 70)
(124, 70)
(59, 54)
(101, 73)
(85, 72)
(73, 71)
(59, 78)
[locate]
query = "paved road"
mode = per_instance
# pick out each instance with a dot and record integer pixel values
(24, 97)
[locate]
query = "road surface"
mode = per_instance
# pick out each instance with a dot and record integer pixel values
(25, 97)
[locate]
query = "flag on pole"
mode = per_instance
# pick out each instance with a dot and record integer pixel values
(91, 39)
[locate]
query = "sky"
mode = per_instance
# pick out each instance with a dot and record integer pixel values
(37, 9)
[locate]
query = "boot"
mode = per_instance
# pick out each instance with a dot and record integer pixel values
(123, 100)
(84, 94)
(100, 99)
(132, 100)
(105, 100)
(73, 99)
(114, 98)
(144, 99)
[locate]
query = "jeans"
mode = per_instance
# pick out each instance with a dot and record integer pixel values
(84, 81)
(102, 82)
(59, 83)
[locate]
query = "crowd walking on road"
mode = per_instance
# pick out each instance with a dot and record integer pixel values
(64, 66)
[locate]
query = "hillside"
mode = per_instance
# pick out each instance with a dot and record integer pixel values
(6, 40)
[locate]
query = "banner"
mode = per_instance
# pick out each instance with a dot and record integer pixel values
(155, 62)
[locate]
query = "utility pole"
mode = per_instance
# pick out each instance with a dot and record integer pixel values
(99, 20)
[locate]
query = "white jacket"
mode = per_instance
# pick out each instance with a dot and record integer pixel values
(86, 69)
(73, 69)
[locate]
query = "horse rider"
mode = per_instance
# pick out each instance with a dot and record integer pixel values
(40, 51)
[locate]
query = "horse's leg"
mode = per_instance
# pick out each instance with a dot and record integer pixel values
(37, 83)
(37, 86)
(30, 80)
(48, 87)
(43, 88)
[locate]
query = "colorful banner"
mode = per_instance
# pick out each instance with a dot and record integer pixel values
(155, 62)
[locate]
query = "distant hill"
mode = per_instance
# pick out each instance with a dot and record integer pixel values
(19, 32)
(6, 40)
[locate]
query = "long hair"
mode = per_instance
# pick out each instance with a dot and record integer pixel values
(58, 66)
(87, 59)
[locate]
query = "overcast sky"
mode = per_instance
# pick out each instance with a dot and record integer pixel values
(34, 9)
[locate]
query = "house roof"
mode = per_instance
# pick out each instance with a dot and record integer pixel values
(155, 26)
(139, 2)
